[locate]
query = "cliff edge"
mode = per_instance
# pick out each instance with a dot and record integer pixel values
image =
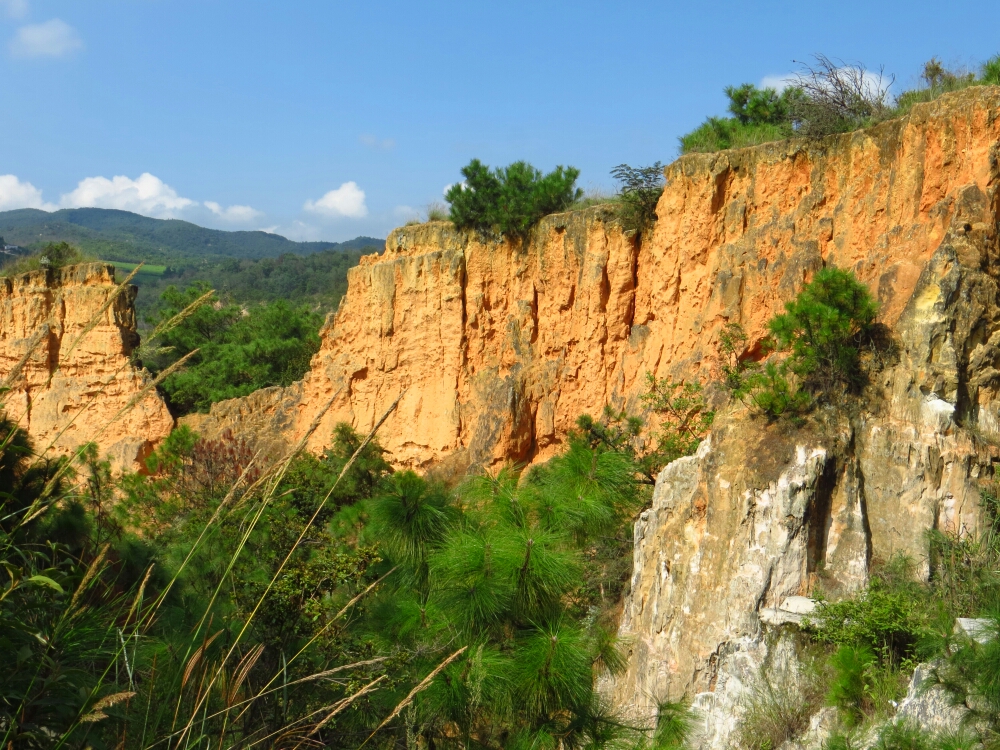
(500, 347)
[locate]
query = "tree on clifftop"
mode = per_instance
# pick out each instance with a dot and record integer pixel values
(510, 200)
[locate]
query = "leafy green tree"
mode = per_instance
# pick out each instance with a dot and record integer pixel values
(639, 190)
(510, 200)
(240, 350)
(318, 280)
(753, 106)
(497, 568)
(825, 326)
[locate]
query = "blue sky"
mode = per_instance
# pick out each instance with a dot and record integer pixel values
(326, 120)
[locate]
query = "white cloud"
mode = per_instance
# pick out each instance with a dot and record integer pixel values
(385, 144)
(301, 232)
(147, 195)
(17, 194)
(53, 38)
(347, 200)
(268, 230)
(778, 82)
(873, 82)
(15, 8)
(234, 214)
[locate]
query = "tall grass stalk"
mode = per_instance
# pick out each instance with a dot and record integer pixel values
(288, 556)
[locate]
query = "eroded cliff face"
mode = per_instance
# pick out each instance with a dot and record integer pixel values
(499, 348)
(73, 381)
(765, 513)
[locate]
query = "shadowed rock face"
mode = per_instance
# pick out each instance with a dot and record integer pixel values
(501, 347)
(72, 381)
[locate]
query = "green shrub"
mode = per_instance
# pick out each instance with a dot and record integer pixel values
(684, 418)
(885, 618)
(840, 740)
(53, 255)
(904, 736)
(758, 116)
(753, 106)
(989, 74)
(861, 686)
(773, 391)
(510, 200)
(972, 677)
(824, 328)
(639, 190)
(732, 346)
(938, 80)
(847, 688)
(720, 133)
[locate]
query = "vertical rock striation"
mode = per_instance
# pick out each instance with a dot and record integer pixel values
(500, 347)
(765, 512)
(71, 380)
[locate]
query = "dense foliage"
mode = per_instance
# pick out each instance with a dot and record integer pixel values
(318, 280)
(822, 332)
(757, 116)
(824, 98)
(237, 349)
(510, 200)
(226, 597)
(824, 327)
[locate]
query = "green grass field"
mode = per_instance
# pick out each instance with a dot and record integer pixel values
(147, 270)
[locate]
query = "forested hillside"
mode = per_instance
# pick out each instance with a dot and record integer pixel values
(129, 237)
(318, 280)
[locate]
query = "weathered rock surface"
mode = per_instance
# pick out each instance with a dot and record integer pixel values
(73, 381)
(500, 347)
(765, 513)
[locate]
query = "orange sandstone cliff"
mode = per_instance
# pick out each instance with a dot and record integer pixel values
(67, 383)
(501, 347)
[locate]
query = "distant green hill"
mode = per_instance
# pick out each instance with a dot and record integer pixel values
(318, 280)
(244, 267)
(129, 237)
